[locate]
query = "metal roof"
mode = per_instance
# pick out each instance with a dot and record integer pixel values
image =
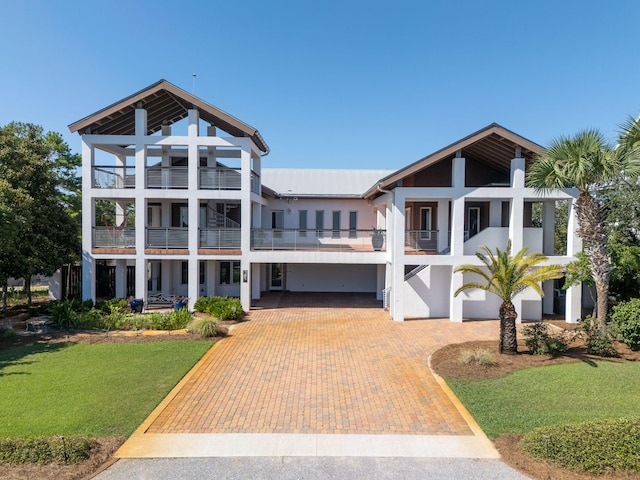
(301, 182)
(165, 104)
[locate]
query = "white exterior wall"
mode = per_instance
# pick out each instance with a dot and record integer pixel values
(426, 294)
(291, 208)
(331, 278)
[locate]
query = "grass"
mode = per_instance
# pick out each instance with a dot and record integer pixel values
(94, 390)
(553, 395)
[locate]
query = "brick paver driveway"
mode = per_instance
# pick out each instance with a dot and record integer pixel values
(339, 366)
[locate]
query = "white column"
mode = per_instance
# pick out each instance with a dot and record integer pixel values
(88, 219)
(245, 284)
(495, 213)
(548, 226)
(194, 280)
(141, 207)
(212, 279)
(457, 227)
(194, 155)
(573, 309)
(245, 203)
(121, 279)
(516, 228)
(166, 158)
(443, 225)
(547, 300)
(455, 303)
(398, 224)
(255, 281)
(457, 172)
(517, 172)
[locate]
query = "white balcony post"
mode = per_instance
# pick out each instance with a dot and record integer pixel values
(517, 171)
(458, 171)
(245, 284)
(245, 204)
(141, 278)
(194, 280)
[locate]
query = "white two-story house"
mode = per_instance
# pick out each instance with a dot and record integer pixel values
(176, 202)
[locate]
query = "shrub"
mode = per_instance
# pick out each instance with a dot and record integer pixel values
(204, 326)
(597, 343)
(596, 447)
(224, 308)
(108, 306)
(65, 313)
(9, 333)
(477, 357)
(625, 323)
(41, 450)
(178, 319)
(540, 341)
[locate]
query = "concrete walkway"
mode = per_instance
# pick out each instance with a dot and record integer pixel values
(337, 379)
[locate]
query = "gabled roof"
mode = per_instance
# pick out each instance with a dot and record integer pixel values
(494, 145)
(165, 104)
(305, 182)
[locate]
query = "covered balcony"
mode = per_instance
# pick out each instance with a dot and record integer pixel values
(328, 240)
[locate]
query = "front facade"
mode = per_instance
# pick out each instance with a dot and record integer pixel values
(176, 202)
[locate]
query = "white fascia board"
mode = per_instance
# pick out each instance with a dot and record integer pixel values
(289, 256)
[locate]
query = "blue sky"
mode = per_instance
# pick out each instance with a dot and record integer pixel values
(333, 84)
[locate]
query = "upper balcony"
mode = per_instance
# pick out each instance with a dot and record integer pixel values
(327, 240)
(157, 177)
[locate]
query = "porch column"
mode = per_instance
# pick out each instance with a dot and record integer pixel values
(245, 204)
(458, 171)
(88, 276)
(547, 300)
(121, 279)
(193, 160)
(141, 278)
(397, 290)
(140, 155)
(457, 227)
(573, 309)
(455, 303)
(495, 213)
(255, 281)
(517, 171)
(245, 284)
(516, 228)
(88, 222)
(193, 288)
(443, 225)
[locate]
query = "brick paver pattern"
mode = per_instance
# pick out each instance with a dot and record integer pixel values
(339, 369)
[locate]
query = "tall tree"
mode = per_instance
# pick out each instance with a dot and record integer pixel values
(506, 276)
(39, 194)
(586, 162)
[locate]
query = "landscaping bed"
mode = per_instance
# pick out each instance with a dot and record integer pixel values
(446, 362)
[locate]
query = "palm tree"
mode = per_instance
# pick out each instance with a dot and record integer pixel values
(586, 162)
(506, 276)
(630, 135)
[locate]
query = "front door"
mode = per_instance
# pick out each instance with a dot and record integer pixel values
(277, 276)
(473, 221)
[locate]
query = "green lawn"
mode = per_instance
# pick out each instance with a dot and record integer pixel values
(569, 393)
(95, 390)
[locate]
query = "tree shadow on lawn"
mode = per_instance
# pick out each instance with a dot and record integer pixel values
(17, 355)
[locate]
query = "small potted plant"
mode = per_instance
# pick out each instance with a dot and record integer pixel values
(377, 238)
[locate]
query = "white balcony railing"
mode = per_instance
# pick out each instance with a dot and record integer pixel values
(113, 177)
(167, 177)
(312, 239)
(167, 237)
(219, 238)
(215, 178)
(114, 237)
(421, 240)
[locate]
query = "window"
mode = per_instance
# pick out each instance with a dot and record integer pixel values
(229, 273)
(302, 221)
(425, 223)
(185, 273)
(336, 224)
(320, 223)
(202, 273)
(353, 224)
